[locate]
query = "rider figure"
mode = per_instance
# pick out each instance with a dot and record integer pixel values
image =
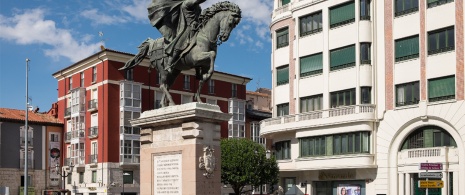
(176, 20)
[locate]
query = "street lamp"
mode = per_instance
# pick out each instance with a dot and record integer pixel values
(124, 174)
(63, 173)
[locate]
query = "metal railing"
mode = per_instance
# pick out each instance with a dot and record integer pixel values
(92, 105)
(93, 158)
(93, 131)
(131, 158)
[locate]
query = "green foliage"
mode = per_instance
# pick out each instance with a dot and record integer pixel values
(243, 162)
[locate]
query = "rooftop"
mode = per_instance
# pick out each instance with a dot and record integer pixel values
(7, 114)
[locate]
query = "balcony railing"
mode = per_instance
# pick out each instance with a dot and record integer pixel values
(93, 158)
(77, 160)
(355, 110)
(434, 154)
(78, 108)
(130, 159)
(30, 164)
(29, 142)
(93, 132)
(68, 112)
(92, 105)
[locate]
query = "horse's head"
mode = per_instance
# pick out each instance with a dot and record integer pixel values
(227, 24)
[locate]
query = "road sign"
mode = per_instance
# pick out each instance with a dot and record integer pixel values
(430, 175)
(430, 166)
(430, 184)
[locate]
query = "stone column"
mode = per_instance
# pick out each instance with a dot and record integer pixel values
(180, 149)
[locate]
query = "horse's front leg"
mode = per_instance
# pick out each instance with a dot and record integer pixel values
(208, 57)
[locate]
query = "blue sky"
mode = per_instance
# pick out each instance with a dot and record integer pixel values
(54, 34)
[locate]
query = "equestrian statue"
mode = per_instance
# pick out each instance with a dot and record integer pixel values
(190, 39)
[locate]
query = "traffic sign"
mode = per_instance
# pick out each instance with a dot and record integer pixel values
(430, 166)
(430, 175)
(430, 184)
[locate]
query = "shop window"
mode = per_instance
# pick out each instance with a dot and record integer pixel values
(343, 98)
(283, 150)
(342, 57)
(342, 14)
(441, 40)
(404, 7)
(429, 136)
(311, 24)
(311, 65)
(282, 38)
(311, 103)
(406, 48)
(407, 94)
(282, 75)
(441, 88)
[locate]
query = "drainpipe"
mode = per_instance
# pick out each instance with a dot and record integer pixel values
(103, 122)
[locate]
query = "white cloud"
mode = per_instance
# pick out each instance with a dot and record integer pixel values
(138, 9)
(98, 17)
(18, 29)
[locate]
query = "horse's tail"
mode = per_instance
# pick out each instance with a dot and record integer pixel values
(134, 61)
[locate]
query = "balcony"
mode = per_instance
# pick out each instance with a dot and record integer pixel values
(339, 115)
(92, 105)
(68, 112)
(29, 142)
(68, 137)
(93, 158)
(421, 155)
(30, 164)
(93, 132)
(129, 159)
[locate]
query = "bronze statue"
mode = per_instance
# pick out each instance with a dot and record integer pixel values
(190, 40)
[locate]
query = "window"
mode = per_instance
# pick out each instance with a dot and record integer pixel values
(233, 90)
(343, 98)
(311, 24)
(365, 95)
(93, 152)
(288, 183)
(434, 3)
(77, 153)
(236, 125)
(313, 146)
(128, 177)
(255, 129)
(54, 137)
(282, 75)
(282, 109)
(94, 74)
(158, 79)
(82, 79)
(158, 96)
(129, 74)
(69, 178)
(125, 125)
(130, 151)
(186, 99)
(342, 14)
(441, 88)
(282, 38)
(282, 150)
(310, 65)
(342, 57)
(187, 82)
(428, 136)
(29, 181)
(365, 53)
(407, 94)
(30, 136)
(441, 40)
(130, 94)
(350, 143)
(284, 2)
(406, 48)
(94, 176)
(70, 83)
(311, 103)
(211, 86)
(365, 9)
(30, 159)
(81, 177)
(405, 6)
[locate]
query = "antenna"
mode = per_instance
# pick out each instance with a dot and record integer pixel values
(102, 41)
(258, 84)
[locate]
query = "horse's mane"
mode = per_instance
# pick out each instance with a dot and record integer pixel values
(218, 7)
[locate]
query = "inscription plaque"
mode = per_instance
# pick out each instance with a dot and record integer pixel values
(167, 174)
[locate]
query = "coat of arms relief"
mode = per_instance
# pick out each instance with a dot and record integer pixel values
(207, 161)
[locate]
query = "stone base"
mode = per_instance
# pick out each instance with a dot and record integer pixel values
(175, 143)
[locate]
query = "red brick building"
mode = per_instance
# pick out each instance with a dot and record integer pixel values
(96, 101)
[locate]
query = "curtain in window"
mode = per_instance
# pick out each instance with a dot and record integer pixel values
(407, 47)
(282, 75)
(311, 64)
(441, 87)
(342, 13)
(342, 56)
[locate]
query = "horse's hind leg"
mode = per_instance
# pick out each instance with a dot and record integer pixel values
(204, 74)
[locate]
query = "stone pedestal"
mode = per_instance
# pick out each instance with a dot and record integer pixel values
(180, 150)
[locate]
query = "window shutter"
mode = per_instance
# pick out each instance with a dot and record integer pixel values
(342, 13)
(282, 75)
(407, 47)
(311, 64)
(441, 87)
(342, 56)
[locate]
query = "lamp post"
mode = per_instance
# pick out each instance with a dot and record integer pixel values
(268, 156)
(63, 173)
(124, 174)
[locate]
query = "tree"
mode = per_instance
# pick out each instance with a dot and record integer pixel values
(243, 162)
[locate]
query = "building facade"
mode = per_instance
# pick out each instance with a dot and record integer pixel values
(96, 101)
(44, 148)
(375, 88)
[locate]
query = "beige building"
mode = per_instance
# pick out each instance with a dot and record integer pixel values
(364, 92)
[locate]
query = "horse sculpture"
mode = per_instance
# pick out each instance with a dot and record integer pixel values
(215, 26)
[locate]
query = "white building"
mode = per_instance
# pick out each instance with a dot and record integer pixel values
(374, 89)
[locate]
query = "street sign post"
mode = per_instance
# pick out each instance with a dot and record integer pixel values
(429, 175)
(431, 184)
(430, 166)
